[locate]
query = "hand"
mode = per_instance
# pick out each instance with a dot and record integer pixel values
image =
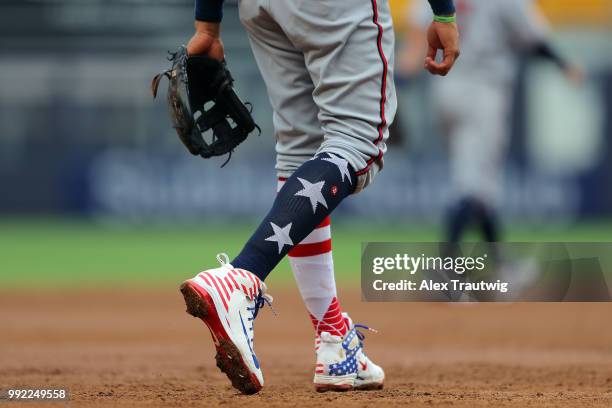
(206, 41)
(444, 36)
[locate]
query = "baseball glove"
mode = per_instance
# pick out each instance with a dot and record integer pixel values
(201, 98)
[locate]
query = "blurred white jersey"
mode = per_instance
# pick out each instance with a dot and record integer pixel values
(493, 34)
(473, 101)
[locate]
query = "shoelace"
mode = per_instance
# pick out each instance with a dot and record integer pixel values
(360, 335)
(261, 300)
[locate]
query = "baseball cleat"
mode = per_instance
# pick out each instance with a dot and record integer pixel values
(228, 300)
(336, 367)
(342, 364)
(369, 375)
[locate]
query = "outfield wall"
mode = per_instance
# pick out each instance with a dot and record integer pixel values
(82, 135)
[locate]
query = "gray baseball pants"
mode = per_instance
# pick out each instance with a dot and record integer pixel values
(328, 69)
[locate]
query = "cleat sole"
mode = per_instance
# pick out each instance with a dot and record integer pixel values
(333, 388)
(369, 387)
(228, 358)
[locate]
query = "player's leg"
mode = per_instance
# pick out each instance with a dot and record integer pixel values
(227, 298)
(313, 268)
(306, 199)
(312, 265)
(312, 191)
(314, 185)
(350, 65)
(469, 211)
(298, 135)
(477, 142)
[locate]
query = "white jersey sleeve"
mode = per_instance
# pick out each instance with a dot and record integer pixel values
(523, 22)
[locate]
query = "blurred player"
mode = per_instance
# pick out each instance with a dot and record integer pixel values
(473, 103)
(327, 66)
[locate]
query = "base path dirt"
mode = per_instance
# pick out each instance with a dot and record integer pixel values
(138, 348)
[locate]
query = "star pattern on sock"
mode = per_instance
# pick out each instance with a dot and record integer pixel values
(281, 236)
(312, 191)
(342, 166)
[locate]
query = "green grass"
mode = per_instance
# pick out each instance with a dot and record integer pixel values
(60, 253)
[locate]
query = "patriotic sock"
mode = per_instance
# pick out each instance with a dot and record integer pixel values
(313, 268)
(331, 321)
(309, 195)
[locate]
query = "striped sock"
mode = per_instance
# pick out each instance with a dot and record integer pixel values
(332, 321)
(313, 267)
(312, 193)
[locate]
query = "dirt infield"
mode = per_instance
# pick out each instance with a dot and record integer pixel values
(129, 348)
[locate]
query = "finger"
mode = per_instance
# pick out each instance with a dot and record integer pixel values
(431, 57)
(430, 65)
(448, 62)
(431, 52)
(434, 68)
(443, 68)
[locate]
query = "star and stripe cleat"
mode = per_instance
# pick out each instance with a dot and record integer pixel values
(342, 364)
(369, 375)
(227, 300)
(336, 367)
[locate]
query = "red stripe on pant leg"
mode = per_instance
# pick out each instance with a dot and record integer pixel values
(318, 248)
(369, 163)
(383, 89)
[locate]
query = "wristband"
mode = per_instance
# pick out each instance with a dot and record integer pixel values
(209, 10)
(446, 19)
(442, 7)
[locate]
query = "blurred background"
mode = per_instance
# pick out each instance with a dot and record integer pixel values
(96, 188)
